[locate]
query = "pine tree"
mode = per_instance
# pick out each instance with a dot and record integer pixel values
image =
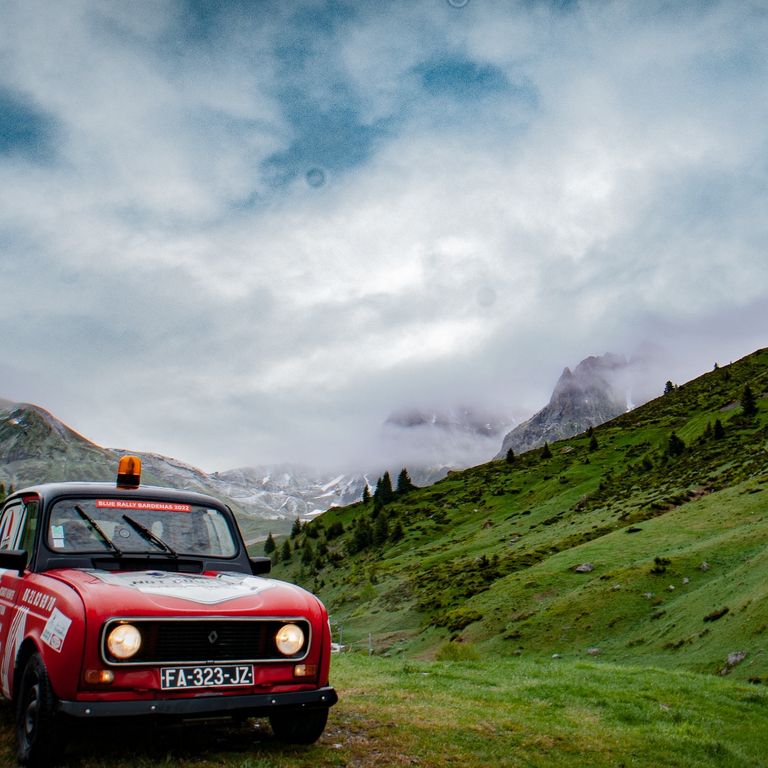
(404, 484)
(312, 529)
(362, 536)
(397, 531)
(296, 528)
(285, 552)
(593, 445)
(308, 553)
(546, 453)
(669, 387)
(675, 445)
(269, 545)
(387, 493)
(748, 403)
(383, 493)
(719, 430)
(510, 456)
(380, 530)
(366, 494)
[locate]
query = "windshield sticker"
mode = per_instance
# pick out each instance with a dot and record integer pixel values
(150, 506)
(197, 589)
(55, 630)
(57, 534)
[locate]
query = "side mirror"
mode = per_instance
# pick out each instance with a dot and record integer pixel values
(260, 565)
(14, 559)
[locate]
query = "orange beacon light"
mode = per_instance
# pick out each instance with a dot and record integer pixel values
(129, 472)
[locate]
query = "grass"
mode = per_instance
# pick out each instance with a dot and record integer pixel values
(518, 712)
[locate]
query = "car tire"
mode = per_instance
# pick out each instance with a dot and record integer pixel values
(299, 726)
(38, 729)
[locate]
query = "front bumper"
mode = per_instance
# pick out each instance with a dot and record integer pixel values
(252, 705)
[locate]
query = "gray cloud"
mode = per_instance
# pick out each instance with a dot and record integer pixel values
(506, 189)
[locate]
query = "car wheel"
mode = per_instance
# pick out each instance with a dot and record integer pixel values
(37, 727)
(299, 726)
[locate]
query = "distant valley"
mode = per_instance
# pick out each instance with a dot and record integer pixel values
(36, 447)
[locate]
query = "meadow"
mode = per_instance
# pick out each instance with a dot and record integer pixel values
(552, 713)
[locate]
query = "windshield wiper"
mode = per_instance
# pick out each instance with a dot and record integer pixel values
(146, 534)
(95, 526)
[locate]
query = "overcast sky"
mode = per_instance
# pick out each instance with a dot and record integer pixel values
(246, 232)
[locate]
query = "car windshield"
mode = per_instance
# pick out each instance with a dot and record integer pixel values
(129, 526)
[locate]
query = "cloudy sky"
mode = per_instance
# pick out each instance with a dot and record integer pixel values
(245, 231)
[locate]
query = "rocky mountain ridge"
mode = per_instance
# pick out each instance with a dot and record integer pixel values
(36, 447)
(596, 391)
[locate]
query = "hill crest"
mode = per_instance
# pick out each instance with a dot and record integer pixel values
(666, 513)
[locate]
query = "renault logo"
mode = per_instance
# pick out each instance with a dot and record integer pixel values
(213, 637)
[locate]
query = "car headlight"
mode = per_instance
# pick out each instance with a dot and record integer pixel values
(289, 639)
(124, 641)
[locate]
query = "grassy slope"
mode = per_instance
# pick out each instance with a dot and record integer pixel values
(548, 714)
(488, 554)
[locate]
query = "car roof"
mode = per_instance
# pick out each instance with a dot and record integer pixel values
(48, 491)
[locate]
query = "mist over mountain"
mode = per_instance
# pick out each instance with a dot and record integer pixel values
(434, 439)
(37, 447)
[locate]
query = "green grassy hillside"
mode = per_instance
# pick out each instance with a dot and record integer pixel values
(667, 513)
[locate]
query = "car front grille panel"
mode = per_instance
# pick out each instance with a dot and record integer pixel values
(207, 641)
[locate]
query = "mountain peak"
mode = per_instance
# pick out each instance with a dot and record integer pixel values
(593, 393)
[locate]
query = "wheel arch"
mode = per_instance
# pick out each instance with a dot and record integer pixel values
(28, 649)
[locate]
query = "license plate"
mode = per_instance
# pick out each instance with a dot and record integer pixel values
(206, 677)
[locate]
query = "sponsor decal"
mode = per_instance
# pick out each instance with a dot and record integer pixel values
(55, 630)
(13, 643)
(197, 589)
(39, 600)
(150, 506)
(6, 593)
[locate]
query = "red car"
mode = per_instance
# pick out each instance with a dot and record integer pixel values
(134, 601)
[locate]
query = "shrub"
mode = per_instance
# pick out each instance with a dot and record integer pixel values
(715, 615)
(457, 652)
(458, 619)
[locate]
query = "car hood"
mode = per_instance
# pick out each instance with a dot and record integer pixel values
(141, 592)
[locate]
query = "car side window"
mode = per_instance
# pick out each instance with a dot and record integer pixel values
(11, 522)
(29, 527)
